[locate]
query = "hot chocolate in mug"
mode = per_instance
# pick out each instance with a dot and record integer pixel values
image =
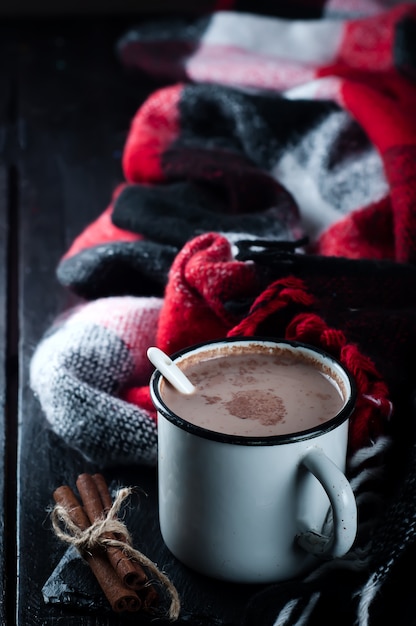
(251, 464)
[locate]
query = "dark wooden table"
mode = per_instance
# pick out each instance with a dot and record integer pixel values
(65, 110)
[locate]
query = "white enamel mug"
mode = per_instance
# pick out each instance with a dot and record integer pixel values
(255, 509)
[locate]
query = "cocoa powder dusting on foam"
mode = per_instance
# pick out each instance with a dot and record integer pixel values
(257, 405)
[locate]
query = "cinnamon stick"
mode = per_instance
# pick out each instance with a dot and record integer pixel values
(147, 592)
(96, 500)
(120, 597)
(103, 491)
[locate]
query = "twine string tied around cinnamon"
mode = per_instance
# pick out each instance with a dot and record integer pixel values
(95, 537)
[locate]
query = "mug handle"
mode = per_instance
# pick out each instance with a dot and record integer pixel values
(344, 508)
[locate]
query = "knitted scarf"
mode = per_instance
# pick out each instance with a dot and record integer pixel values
(269, 190)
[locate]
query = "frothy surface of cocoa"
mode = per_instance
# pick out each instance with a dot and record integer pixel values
(255, 394)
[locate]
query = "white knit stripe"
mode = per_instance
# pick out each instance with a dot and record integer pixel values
(363, 454)
(236, 68)
(325, 88)
(285, 613)
(312, 42)
(329, 193)
(367, 595)
(303, 619)
(369, 473)
(355, 9)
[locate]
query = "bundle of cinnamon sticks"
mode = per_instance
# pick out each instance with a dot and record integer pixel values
(104, 543)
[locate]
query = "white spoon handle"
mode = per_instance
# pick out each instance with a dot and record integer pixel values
(170, 371)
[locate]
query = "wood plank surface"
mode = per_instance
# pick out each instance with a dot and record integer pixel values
(8, 338)
(74, 106)
(7, 523)
(73, 121)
